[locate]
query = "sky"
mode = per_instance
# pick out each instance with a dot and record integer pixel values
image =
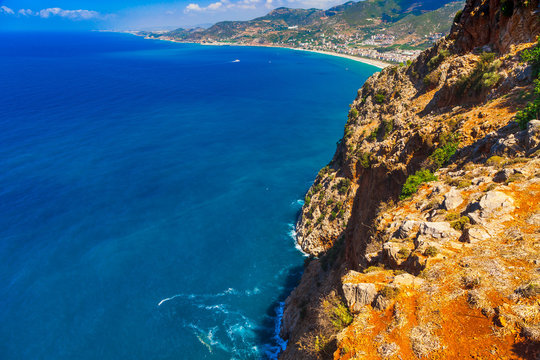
(136, 14)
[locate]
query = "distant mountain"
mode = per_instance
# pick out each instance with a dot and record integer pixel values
(412, 23)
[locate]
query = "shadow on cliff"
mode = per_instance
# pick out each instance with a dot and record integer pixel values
(268, 331)
(528, 350)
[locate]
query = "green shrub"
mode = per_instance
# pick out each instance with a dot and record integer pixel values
(373, 269)
(495, 161)
(413, 182)
(437, 59)
(463, 183)
(380, 98)
(532, 56)
(451, 216)
(432, 79)
(514, 177)
(531, 110)
(340, 316)
(353, 114)
(489, 80)
(457, 17)
(325, 170)
(307, 200)
(484, 76)
(332, 216)
(431, 251)
(387, 126)
(442, 154)
(389, 292)
(460, 223)
(403, 253)
(373, 135)
(364, 160)
(343, 186)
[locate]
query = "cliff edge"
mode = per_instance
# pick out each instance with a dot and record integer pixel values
(424, 229)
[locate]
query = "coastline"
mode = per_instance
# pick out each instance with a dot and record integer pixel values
(373, 62)
(377, 63)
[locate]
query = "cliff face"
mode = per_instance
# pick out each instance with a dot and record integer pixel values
(430, 263)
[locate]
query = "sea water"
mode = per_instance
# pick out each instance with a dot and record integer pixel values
(148, 192)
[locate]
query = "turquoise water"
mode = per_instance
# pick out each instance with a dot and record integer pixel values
(148, 191)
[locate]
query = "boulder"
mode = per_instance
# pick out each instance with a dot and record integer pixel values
(496, 203)
(390, 254)
(533, 134)
(406, 228)
(452, 199)
(407, 280)
(503, 175)
(534, 219)
(474, 234)
(494, 206)
(509, 145)
(381, 303)
(358, 295)
(437, 230)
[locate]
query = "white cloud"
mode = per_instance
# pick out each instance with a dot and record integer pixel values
(193, 7)
(6, 10)
(51, 12)
(70, 14)
(215, 6)
(26, 12)
(223, 5)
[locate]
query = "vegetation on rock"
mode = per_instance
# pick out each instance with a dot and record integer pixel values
(413, 182)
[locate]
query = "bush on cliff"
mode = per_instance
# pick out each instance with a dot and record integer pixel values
(413, 182)
(380, 98)
(457, 17)
(437, 59)
(484, 76)
(532, 109)
(343, 186)
(442, 154)
(339, 314)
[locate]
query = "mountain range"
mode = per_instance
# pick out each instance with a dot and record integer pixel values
(370, 23)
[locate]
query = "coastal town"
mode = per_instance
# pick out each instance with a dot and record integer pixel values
(344, 30)
(380, 47)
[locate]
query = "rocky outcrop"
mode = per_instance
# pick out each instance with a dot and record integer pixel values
(489, 24)
(400, 273)
(358, 295)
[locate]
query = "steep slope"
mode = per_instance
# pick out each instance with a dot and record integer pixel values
(426, 221)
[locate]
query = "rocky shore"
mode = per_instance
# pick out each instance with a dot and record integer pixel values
(424, 229)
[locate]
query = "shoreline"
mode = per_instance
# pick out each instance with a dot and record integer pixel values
(377, 63)
(373, 62)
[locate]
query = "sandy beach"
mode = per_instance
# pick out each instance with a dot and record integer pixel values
(378, 63)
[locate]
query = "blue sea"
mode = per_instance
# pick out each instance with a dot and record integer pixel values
(148, 192)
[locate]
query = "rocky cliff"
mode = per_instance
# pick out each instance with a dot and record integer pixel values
(424, 228)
